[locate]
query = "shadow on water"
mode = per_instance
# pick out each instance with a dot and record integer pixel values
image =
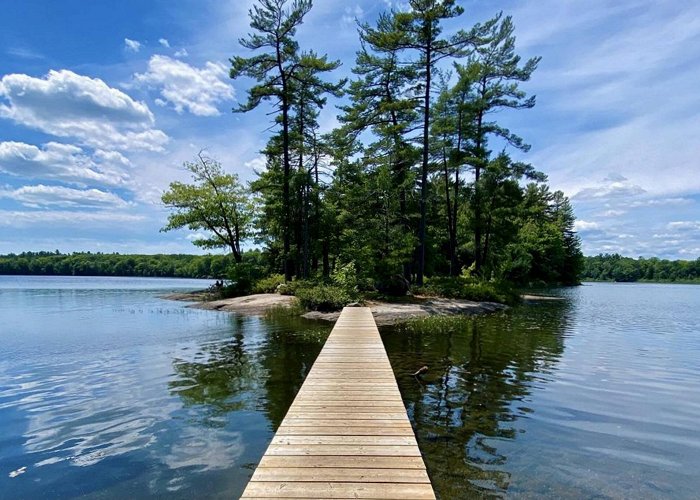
(481, 372)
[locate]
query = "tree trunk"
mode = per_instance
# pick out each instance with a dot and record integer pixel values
(424, 170)
(288, 264)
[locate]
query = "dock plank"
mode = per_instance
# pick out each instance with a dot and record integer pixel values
(346, 435)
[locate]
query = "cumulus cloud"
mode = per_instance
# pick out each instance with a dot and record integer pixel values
(132, 45)
(66, 218)
(64, 162)
(613, 186)
(612, 213)
(582, 225)
(41, 196)
(181, 53)
(164, 42)
(196, 236)
(257, 164)
(197, 90)
(684, 225)
(65, 104)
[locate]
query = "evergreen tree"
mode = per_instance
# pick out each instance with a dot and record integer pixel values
(283, 74)
(418, 31)
(494, 72)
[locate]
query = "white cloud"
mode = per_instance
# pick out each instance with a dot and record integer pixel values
(352, 13)
(69, 218)
(196, 236)
(181, 53)
(582, 225)
(197, 90)
(132, 45)
(659, 202)
(65, 104)
(164, 42)
(41, 196)
(613, 186)
(257, 164)
(612, 213)
(64, 162)
(684, 225)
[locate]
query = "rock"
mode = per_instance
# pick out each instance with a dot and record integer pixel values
(354, 304)
(322, 316)
(256, 304)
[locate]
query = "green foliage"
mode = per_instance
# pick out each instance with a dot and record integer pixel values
(345, 277)
(324, 298)
(268, 284)
(406, 188)
(215, 203)
(461, 287)
(100, 264)
(290, 78)
(291, 287)
(242, 276)
(614, 267)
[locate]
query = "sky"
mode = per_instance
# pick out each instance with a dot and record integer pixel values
(102, 102)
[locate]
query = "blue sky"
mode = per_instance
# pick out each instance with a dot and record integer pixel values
(101, 102)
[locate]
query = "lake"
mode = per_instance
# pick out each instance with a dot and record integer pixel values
(107, 391)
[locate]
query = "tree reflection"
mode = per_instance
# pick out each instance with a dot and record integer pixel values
(481, 374)
(221, 374)
(259, 366)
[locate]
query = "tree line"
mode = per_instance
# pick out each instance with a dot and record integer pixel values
(418, 178)
(102, 264)
(614, 267)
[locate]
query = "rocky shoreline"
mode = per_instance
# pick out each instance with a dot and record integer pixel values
(385, 313)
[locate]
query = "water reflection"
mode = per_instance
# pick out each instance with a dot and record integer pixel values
(123, 395)
(476, 391)
(260, 366)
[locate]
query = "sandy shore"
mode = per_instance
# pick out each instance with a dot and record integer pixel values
(385, 313)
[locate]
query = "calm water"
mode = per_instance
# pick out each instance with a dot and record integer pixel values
(594, 397)
(107, 391)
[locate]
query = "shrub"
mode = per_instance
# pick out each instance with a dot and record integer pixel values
(268, 284)
(469, 289)
(241, 277)
(324, 298)
(291, 287)
(345, 277)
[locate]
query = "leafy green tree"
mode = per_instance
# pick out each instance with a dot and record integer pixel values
(216, 203)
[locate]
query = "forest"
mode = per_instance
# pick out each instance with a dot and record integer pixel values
(102, 264)
(420, 182)
(614, 267)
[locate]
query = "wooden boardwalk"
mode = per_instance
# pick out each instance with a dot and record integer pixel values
(346, 434)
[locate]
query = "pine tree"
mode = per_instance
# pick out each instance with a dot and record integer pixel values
(494, 72)
(281, 71)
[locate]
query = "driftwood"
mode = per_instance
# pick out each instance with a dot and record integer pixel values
(421, 371)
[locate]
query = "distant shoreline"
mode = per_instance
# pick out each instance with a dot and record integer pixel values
(644, 282)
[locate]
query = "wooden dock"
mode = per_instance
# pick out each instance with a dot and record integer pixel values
(346, 434)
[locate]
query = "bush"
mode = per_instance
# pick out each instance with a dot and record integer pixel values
(469, 289)
(268, 284)
(241, 277)
(291, 287)
(325, 298)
